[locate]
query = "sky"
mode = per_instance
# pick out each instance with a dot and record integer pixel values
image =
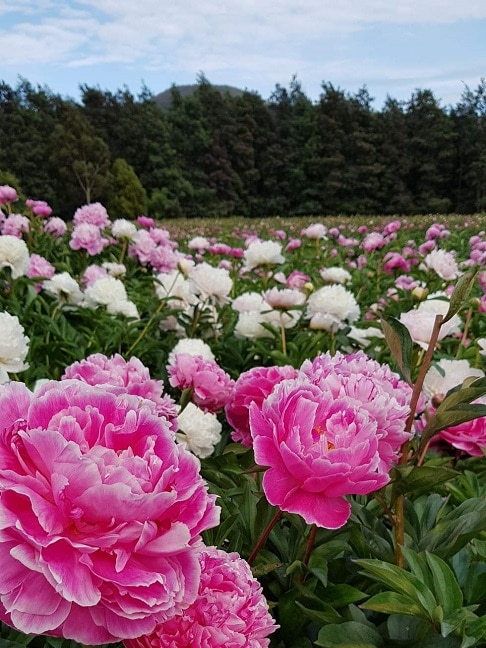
(394, 47)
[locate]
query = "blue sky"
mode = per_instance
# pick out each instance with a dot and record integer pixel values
(392, 46)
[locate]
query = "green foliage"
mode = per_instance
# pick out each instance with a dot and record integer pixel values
(126, 196)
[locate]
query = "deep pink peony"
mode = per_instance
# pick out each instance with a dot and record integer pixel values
(252, 386)
(120, 376)
(100, 514)
(230, 610)
(374, 388)
(318, 449)
(211, 386)
(470, 437)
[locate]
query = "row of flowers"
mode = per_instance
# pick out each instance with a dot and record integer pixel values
(150, 358)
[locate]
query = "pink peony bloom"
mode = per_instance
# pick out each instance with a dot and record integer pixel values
(318, 449)
(373, 241)
(470, 437)
(101, 514)
(92, 273)
(293, 244)
(119, 376)
(39, 208)
(252, 386)
(55, 226)
(7, 195)
(145, 221)
(15, 225)
(211, 387)
(230, 610)
(297, 279)
(87, 236)
(92, 214)
(395, 261)
(40, 267)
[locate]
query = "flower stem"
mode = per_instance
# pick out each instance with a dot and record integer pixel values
(310, 544)
(404, 456)
(146, 327)
(282, 334)
(263, 538)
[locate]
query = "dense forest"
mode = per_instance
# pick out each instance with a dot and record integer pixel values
(214, 154)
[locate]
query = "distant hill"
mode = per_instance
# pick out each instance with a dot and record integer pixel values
(163, 99)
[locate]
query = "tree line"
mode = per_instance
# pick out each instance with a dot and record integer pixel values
(214, 154)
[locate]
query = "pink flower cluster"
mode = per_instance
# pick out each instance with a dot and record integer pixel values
(230, 610)
(331, 429)
(211, 387)
(92, 214)
(39, 207)
(100, 514)
(154, 248)
(7, 195)
(87, 236)
(120, 376)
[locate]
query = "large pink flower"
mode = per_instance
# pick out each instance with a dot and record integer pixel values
(470, 437)
(120, 376)
(211, 386)
(252, 386)
(100, 514)
(373, 387)
(318, 448)
(230, 610)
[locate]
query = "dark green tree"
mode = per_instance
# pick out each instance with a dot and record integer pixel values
(431, 141)
(126, 196)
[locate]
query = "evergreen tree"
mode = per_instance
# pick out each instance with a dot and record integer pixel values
(126, 196)
(431, 151)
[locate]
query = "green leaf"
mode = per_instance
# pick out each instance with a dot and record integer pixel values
(456, 529)
(447, 590)
(461, 292)
(400, 581)
(350, 634)
(419, 479)
(400, 344)
(327, 614)
(395, 603)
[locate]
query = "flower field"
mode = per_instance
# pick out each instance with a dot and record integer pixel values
(241, 433)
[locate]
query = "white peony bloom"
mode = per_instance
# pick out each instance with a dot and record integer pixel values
(363, 335)
(123, 307)
(447, 374)
(105, 291)
(200, 430)
(285, 298)
(14, 346)
(64, 287)
(123, 228)
(263, 253)
(115, 269)
(331, 307)
(14, 254)
(193, 346)
(249, 325)
(315, 231)
(443, 263)
(176, 288)
(420, 321)
(199, 243)
(208, 282)
(248, 301)
(334, 274)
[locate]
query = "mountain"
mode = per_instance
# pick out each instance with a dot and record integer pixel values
(163, 99)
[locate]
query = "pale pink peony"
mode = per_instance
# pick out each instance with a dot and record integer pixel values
(373, 241)
(87, 236)
(93, 214)
(101, 514)
(211, 387)
(230, 610)
(318, 449)
(252, 386)
(119, 376)
(55, 226)
(7, 195)
(15, 225)
(39, 266)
